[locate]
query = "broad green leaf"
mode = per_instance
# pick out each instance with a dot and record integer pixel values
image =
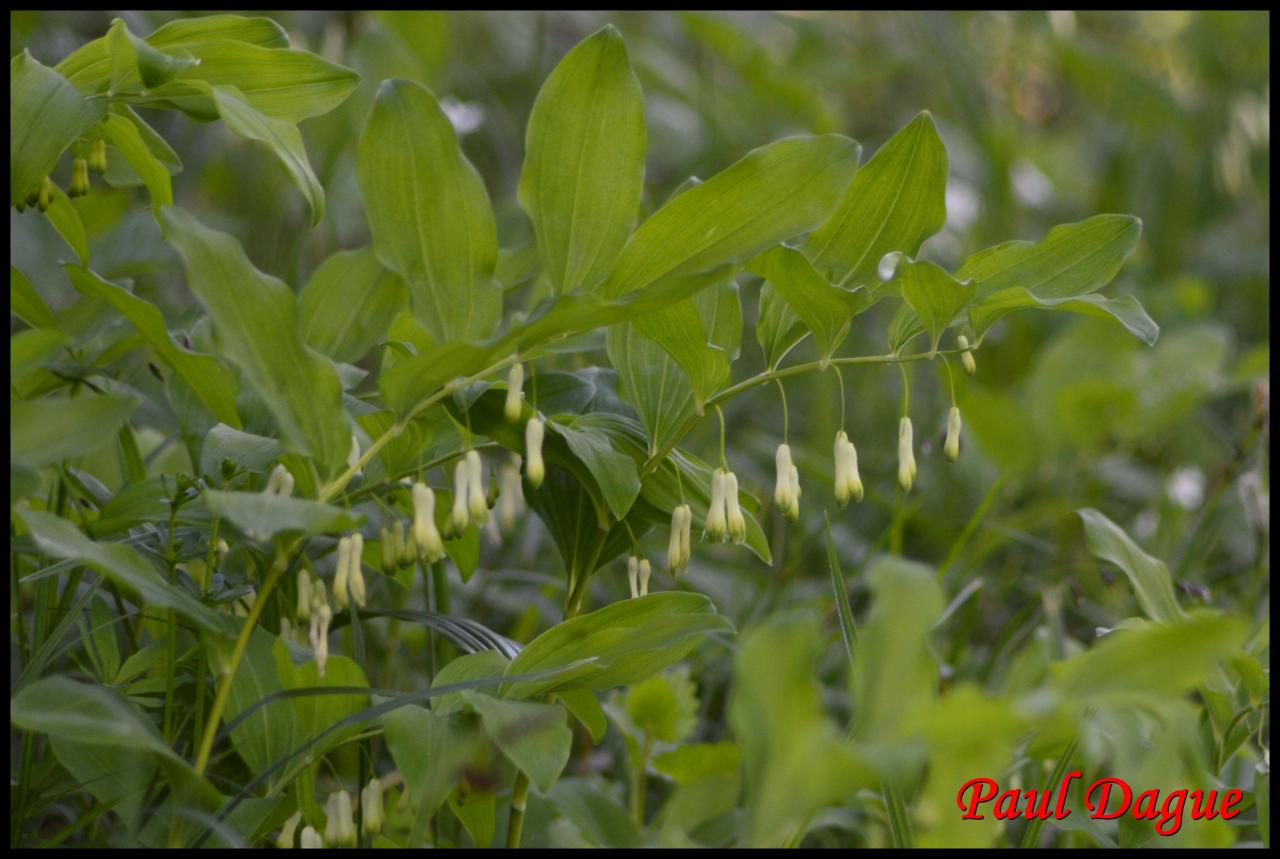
(679, 329)
(30, 348)
(533, 736)
(286, 85)
(66, 220)
(585, 707)
(477, 811)
(664, 707)
(1124, 309)
(773, 193)
(470, 666)
(576, 518)
(894, 203)
(1147, 575)
(89, 67)
(264, 515)
(893, 671)
(60, 539)
(794, 760)
(584, 161)
(271, 731)
(1153, 659)
(255, 323)
(627, 641)
(432, 751)
(1070, 261)
(825, 309)
(347, 306)
(136, 64)
(46, 115)
(429, 213)
(318, 713)
(280, 136)
(778, 329)
(599, 817)
(211, 381)
(126, 137)
(935, 296)
(245, 450)
(26, 303)
(614, 473)
(44, 431)
(696, 761)
(651, 380)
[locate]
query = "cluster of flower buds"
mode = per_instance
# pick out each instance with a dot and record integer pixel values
(848, 482)
(470, 504)
(427, 541)
(678, 549)
(724, 515)
(340, 825)
(952, 445)
(371, 807)
(40, 196)
(310, 839)
(786, 492)
(98, 156)
(321, 615)
(515, 386)
(638, 572)
(966, 357)
(350, 574)
(79, 178)
(535, 471)
(906, 455)
(511, 498)
(279, 483)
(285, 840)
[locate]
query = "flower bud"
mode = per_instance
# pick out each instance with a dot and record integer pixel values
(406, 547)
(515, 385)
(952, 444)
(906, 455)
(321, 616)
(355, 564)
(371, 807)
(716, 522)
(633, 573)
(426, 537)
(678, 544)
(353, 457)
(852, 478)
(737, 523)
(342, 578)
(279, 483)
(786, 493)
(222, 549)
(44, 199)
(285, 841)
(310, 839)
(79, 178)
(461, 483)
(98, 156)
(966, 357)
(686, 538)
(534, 469)
(340, 827)
(305, 595)
(645, 572)
(841, 471)
(476, 505)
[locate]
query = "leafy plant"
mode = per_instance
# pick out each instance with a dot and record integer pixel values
(186, 497)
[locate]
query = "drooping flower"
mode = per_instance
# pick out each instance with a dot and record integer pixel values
(678, 548)
(716, 522)
(645, 572)
(515, 385)
(736, 522)
(355, 569)
(340, 825)
(633, 574)
(371, 807)
(426, 536)
(460, 515)
(285, 840)
(786, 493)
(535, 471)
(966, 357)
(511, 498)
(906, 455)
(279, 483)
(304, 595)
(341, 578)
(476, 504)
(310, 839)
(848, 481)
(952, 444)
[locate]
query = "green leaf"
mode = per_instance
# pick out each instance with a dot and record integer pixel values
(627, 641)
(256, 326)
(44, 431)
(614, 473)
(825, 309)
(664, 706)
(585, 707)
(265, 516)
(584, 161)
(651, 380)
(136, 64)
(60, 539)
(245, 450)
(46, 115)
(778, 329)
(600, 818)
(31, 348)
(66, 220)
(211, 381)
(679, 329)
(533, 736)
(318, 713)
(894, 203)
(893, 671)
(280, 136)
(429, 213)
(696, 761)
(935, 296)
(26, 303)
(1125, 309)
(271, 731)
(127, 138)
(773, 193)
(1147, 575)
(432, 751)
(347, 306)
(89, 66)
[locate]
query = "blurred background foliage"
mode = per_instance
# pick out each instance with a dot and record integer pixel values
(1047, 118)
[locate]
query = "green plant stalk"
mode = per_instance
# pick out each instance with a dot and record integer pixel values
(638, 768)
(1031, 837)
(237, 653)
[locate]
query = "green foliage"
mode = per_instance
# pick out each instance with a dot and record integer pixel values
(278, 426)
